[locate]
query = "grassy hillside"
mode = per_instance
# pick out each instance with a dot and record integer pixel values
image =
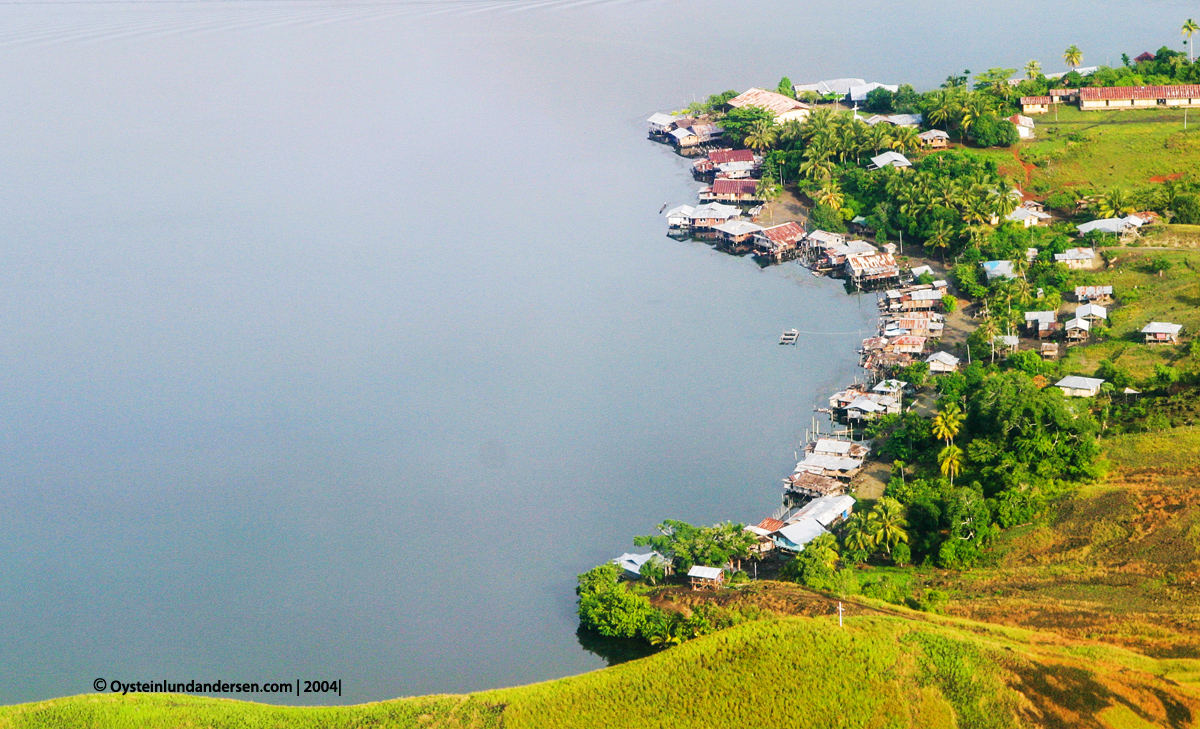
(1103, 149)
(1118, 561)
(906, 670)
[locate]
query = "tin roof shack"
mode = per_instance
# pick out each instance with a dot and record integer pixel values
(889, 159)
(834, 447)
(783, 107)
(706, 578)
(921, 297)
(942, 362)
(661, 125)
(710, 215)
(836, 86)
(731, 191)
(1007, 342)
(1028, 217)
(736, 232)
(869, 270)
(680, 217)
(1098, 294)
(1139, 97)
(998, 269)
(895, 388)
(779, 241)
(907, 344)
(842, 468)
(762, 531)
(833, 254)
(1077, 330)
(1157, 332)
(1078, 258)
(1023, 124)
(895, 120)
(1041, 324)
(706, 166)
(828, 511)
(792, 537)
(1064, 96)
(809, 485)
(1075, 386)
(934, 139)
(1092, 312)
(917, 323)
(1125, 228)
(871, 407)
(684, 139)
(1035, 104)
(631, 564)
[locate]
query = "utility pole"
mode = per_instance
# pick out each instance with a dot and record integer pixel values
(839, 613)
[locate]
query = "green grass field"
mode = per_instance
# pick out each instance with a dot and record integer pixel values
(908, 670)
(1103, 149)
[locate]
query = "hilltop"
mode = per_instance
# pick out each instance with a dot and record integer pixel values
(899, 670)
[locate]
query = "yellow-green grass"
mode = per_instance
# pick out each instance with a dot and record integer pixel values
(881, 671)
(1120, 149)
(1143, 296)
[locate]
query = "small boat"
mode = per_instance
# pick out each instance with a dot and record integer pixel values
(789, 337)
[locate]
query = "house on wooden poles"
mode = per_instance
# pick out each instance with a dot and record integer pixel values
(942, 362)
(706, 578)
(872, 270)
(1041, 324)
(731, 191)
(1157, 332)
(1094, 294)
(778, 242)
(710, 165)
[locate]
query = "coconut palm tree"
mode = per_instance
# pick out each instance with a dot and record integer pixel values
(1073, 56)
(1114, 203)
(977, 105)
(990, 330)
(762, 135)
(1033, 69)
(858, 535)
(950, 460)
(886, 522)
(1189, 27)
(905, 140)
(948, 422)
(790, 133)
(940, 236)
(878, 138)
(940, 108)
(831, 195)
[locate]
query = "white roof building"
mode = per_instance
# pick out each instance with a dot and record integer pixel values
(797, 534)
(715, 210)
(859, 92)
(1117, 226)
(1076, 254)
(705, 573)
(1092, 311)
(661, 121)
(944, 358)
(839, 86)
(998, 269)
(1079, 323)
(1158, 327)
(890, 159)
(632, 563)
(735, 228)
(1028, 217)
(1075, 386)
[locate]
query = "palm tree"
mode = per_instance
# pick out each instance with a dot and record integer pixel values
(951, 461)
(879, 137)
(990, 330)
(906, 140)
(947, 423)
(761, 136)
(791, 132)
(816, 164)
(830, 195)
(975, 107)
(1073, 56)
(1033, 69)
(940, 109)
(1114, 203)
(887, 524)
(1188, 28)
(939, 238)
(858, 535)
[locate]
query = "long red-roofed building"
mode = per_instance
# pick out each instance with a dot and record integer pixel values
(1139, 97)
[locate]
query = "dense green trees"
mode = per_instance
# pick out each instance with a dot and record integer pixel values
(686, 545)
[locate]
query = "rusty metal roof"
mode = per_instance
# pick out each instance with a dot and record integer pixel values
(734, 187)
(722, 156)
(1182, 91)
(769, 100)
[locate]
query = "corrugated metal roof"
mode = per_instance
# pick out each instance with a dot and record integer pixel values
(1158, 327)
(1026, 100)
(1123, 93)
(705, 573)
(1076, 382)
(784, 234)
(1091, 291)
(769, 100)
(734, 187)
(721, 156)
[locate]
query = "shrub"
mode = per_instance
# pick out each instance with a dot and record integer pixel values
(990, 130)
(949, 303)
(826, 218)
(1187, 209)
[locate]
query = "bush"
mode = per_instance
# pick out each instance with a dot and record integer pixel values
(901, 554)
(1062, 202)
(949, 303)
(990, 130)
(1187, 209)
(880, 101)
(828, 219)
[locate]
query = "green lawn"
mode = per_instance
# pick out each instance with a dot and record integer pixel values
(1103, 149)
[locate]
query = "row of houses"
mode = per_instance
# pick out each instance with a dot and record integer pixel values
(1116, 97)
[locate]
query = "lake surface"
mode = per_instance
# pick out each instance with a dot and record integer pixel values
(337, 338)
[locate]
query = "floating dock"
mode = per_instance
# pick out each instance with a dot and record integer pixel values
(789, 337)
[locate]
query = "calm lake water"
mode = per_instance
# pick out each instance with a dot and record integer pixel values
(337, 338)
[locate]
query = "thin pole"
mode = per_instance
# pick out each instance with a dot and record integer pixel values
(839, 613)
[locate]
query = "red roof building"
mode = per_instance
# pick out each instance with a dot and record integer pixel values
(723, 156)
(1139, 97)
